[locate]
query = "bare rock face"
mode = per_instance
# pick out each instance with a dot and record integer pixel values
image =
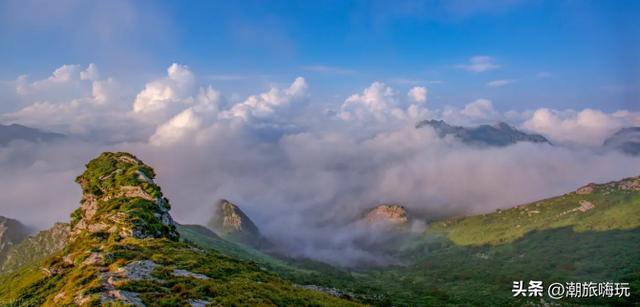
(630, 184)
(230, 222)
(389, 214)
(121, 199)
(585, 190)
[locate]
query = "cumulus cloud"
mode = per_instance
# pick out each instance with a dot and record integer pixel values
(479, 63)
(378, 102)
(189, 120)
(418, 94)
(498, 83)
(479, 111)
(586, 127)
(315, 179)
(157, 96)
(263, 105)
(72, 100)
(65, 83)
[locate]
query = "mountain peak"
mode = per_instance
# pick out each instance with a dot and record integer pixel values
(626, 140)
(12, 132)
(229, 220)
(120, 199)
(498, 134)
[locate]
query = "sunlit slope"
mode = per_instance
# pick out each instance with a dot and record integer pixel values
(123, 249)
(595, 207)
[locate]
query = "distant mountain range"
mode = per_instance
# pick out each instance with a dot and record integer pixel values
(500, 134)
(626, 140)
(13, 132)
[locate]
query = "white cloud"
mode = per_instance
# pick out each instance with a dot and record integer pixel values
(72, 100)
(263, 105)
(161, 94)
(65, 83)
(190, 120)
(480, 111)
(91, 73)
(498, 83)
(176, 128)
(378, 102)
(587, 127)
(418, 94)
(479, 63)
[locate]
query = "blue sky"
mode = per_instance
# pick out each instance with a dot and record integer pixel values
(560, 54)
(292, 107)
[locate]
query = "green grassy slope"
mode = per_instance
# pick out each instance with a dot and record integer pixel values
(123, 249)
(473, 260)
(301, 272)
(616, 206)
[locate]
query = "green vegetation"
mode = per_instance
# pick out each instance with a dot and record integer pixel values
(35, 248)
(613, 208)
(123, 249)
(587, 236)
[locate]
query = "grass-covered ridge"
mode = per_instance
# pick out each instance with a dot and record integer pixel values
(124, 250)
(596, 207)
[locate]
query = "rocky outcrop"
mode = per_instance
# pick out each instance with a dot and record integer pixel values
(230, 222)
(500, 134)
(123, 249)
(387, 214)
(121, 199)
(585, 190)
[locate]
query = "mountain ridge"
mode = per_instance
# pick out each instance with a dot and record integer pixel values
(499, 135)
(124, 249)
(12, 132)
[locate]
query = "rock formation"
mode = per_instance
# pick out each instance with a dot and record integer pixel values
(389, 214)
(230, 222)
(121, 199)
(123, 249)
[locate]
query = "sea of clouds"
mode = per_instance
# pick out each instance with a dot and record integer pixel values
(301, 174)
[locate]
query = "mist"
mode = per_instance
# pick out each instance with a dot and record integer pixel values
(305, 189)
(304, 174)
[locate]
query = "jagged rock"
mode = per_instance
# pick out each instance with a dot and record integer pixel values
(585, 190)
(123, 249)
(388, 214)
(630, 184)
(230, 222)
(116, 181)
(500, 134)
(228, 219)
